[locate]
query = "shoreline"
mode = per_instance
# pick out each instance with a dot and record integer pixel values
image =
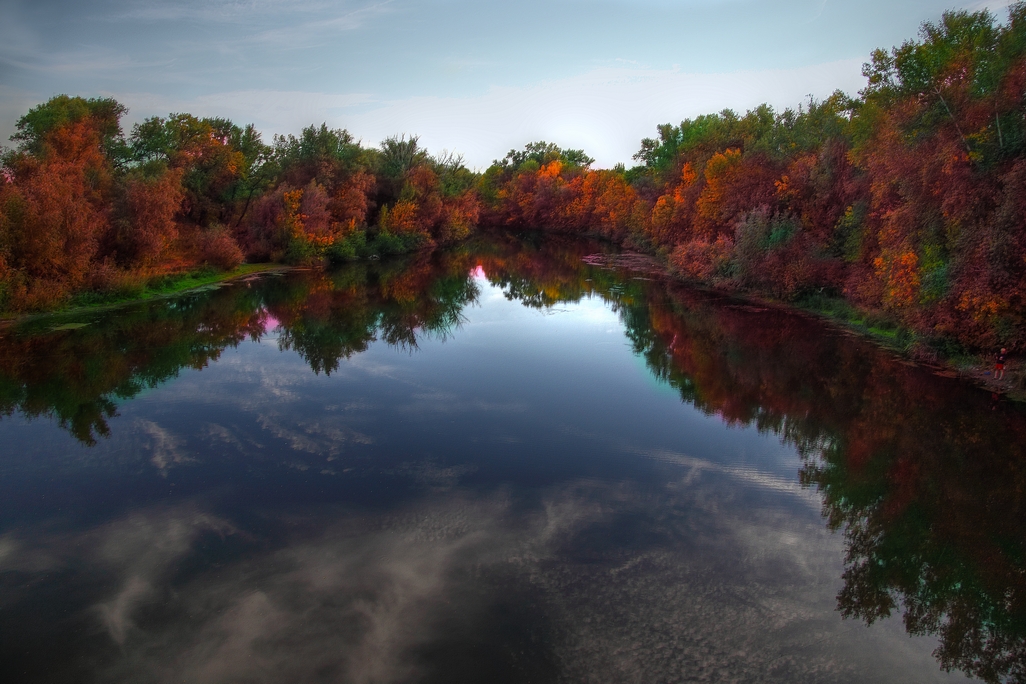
(969, 366)
(158, 287)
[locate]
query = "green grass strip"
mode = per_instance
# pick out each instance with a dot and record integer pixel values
(154, 288)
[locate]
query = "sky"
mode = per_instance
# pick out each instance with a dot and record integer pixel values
(470, 76)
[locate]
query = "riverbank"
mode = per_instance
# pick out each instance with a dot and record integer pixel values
(946, 357)
(157, 287)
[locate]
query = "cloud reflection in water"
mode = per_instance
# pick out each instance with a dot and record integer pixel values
(689, 590)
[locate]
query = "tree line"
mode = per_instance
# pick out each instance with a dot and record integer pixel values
(85, 207)
(907, 199)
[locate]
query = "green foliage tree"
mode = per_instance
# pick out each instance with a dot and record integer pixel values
(222, 163)
(319, 153)
(400, 154)
(542, 153)
(104, 114)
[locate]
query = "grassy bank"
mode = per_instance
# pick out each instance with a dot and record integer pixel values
(946, 354)
(149, 288)
(165, 285)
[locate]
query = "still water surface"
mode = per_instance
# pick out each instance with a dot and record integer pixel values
(514, 462)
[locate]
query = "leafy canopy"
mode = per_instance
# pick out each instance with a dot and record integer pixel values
(104, 112)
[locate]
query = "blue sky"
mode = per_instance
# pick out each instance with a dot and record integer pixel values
(476, 77)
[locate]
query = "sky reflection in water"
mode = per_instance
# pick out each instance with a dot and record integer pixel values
(492, 476)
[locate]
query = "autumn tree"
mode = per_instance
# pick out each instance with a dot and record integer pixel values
(55, 200)
(221, 163)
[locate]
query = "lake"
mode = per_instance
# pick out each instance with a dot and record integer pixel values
(520, 460)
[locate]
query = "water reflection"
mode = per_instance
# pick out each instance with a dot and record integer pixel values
(518, 552)
(76, 373)
(923, 477)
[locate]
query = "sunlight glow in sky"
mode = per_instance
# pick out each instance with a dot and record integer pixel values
(467, 75)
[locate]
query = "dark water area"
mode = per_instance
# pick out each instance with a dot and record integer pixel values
(518, 461)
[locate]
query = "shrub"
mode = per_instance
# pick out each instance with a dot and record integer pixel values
(298, 251)
(390, 243)
(220, 249)
(349, 248)
(702, 260)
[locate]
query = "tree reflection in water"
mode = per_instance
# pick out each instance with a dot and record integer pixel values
(923, 476)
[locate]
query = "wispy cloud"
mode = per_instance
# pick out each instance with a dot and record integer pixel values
(234, 11)
(86, 60)
(273, 111)
(606, 111)
(747, 475)
(713, 585)
(325, 436)
(166, 449)
(309, 34)
(142, 549)
(266, 24)
(997, 7)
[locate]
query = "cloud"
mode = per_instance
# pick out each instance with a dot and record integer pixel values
(748, 475)
(84, 61)
(325, 436)
(142, 550)
(219, 434)
(135, 556)
(309, 34)
(165, 448)
(999, 8)
(604, 581)
(357, 605)
(273, 111)
(233, 11)
(606, 111)
(453, 72)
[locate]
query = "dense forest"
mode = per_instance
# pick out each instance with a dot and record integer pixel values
(908, 200)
